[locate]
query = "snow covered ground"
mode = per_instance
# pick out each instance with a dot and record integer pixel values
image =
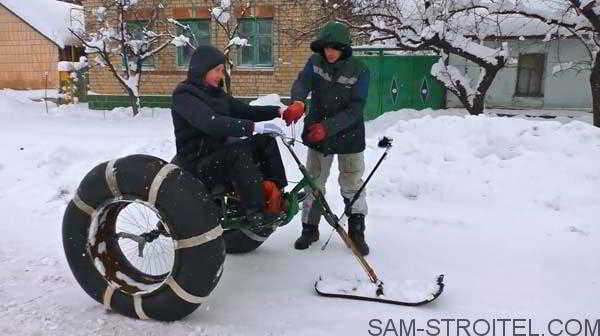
(506, 208)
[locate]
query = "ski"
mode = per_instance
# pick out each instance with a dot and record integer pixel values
(409, 293)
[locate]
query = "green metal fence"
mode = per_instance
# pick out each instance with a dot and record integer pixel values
(399, 82)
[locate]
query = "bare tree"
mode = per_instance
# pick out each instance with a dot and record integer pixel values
(316, 14)
(123, 43)
(461, 28)
(222, 13)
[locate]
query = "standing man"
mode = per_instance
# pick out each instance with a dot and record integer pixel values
(339, 84)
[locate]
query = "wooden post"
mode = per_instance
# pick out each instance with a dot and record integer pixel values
(46, 90)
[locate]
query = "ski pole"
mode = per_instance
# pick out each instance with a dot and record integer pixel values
(386, 143)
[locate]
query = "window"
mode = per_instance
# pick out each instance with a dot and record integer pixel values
(259, 33)
(530, 75)
(136, 31)
(199, 34)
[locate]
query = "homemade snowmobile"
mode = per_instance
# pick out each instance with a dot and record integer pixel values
(148, 240)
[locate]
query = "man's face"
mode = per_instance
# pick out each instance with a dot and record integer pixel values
(332, 55)
(215, 75)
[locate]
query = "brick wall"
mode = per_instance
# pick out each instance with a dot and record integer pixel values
(289, 58)
(25, 55)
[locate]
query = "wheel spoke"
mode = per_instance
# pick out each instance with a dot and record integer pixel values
(137, 219)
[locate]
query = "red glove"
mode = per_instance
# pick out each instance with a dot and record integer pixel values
(316, 132)
(293, 113)
(274, 202)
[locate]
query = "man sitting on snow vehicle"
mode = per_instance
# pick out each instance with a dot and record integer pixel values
(210, 126)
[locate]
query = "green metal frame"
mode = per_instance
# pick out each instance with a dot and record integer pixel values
(307, 184)
(238, 221)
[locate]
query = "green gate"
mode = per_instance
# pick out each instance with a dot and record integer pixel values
(399, 82)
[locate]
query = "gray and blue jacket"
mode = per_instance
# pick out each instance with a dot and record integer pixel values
(339, 94)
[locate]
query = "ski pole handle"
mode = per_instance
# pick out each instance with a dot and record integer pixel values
(348, 207)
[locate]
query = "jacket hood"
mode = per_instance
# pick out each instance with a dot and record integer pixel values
(203, 60)
(334, 35)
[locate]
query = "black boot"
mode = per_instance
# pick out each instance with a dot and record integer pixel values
(310, 234)
(356, 231)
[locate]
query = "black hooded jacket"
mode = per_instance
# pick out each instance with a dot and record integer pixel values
(204, 117)
(339, 93)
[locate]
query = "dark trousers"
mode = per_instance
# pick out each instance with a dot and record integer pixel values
(244, 164)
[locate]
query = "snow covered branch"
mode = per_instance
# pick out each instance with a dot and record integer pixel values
(449, 28)
(222, 13)
(127, 46)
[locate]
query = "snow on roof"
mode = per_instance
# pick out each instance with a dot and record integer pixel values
(479, 23)
(52, 18)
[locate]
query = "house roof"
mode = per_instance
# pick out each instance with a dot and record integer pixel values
(49, 17)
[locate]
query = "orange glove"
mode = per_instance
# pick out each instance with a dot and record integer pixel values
(316, 132)
(293, 113)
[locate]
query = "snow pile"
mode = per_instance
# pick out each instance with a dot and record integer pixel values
(506, 208)
(491, 161)
(18, 104)
(271, 99)
(65, 66)
(73, 66)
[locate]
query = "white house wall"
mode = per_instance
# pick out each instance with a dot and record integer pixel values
(567, 89)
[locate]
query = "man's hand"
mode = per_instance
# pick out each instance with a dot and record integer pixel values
(293, 113)
(316, 132)
(267, 128)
